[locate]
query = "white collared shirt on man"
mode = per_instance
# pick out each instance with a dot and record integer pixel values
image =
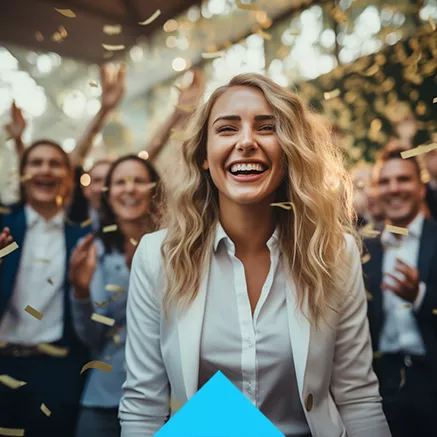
(39, 283)
(257, 356)
(400, 332)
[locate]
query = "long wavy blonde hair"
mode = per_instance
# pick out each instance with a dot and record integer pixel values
(311, 236)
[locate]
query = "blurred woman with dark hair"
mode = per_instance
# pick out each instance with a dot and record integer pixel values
(99, 272)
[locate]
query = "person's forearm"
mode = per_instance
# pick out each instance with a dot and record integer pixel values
(19, 146)
(163, 134)
(86, 142)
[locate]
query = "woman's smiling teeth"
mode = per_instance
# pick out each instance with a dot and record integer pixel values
(246, 168)
(130, 202)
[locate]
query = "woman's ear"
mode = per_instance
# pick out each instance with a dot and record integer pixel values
(205, 165)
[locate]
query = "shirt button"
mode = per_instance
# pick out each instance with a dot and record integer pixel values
(309, 402)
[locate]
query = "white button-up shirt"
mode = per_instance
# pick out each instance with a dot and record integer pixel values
(42, 259)
(256, 355)
(400, 332)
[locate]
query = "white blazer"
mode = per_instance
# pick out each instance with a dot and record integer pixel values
(337, 386)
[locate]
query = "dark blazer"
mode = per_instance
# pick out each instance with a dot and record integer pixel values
(427, 265)
(16, 222)
(431, 200)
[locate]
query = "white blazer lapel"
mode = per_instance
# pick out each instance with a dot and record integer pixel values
(189, 330)
(299, 333)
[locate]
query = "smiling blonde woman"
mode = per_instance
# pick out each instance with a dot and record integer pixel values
(272, 297)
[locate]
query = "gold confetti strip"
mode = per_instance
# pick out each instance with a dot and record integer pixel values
(101, 305)
(185, 108)
(117, 339)
(151, 185)
(264, 35)
(53, 351)
(366, 258)
(152, 18)
(405, 307)
(39, 36)
(86, 223)
(115, 288)
(112, 30)
(245, 6)
(284, 205)
(8, 249)
(113, 48)
(396, 230)
(211, 55)
(50, 281)
(434, 311)
(110, 228)
(419, 150)
(93, 84)
(43, 260)
(99, 365)
(133, 241)
(369, 296)
(368, 231)
(66, 13)
(432, 23)
(63, 31)
(102, 319)
(45, 410)
(402, 377)
(4, 210)
(11, 382)
(108, 55)
(59, 200)
(12, 432)
(33, 312)
(25, 178)
(105, 189)
(331, 94)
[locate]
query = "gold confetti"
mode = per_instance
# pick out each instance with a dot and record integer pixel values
(110, 228)
(115, 288)
(377, 354)
(117, 339)
(101, 305)
(366, 258)
(396, 230)
(8, 249)
(99, 365)
(39, 36)
(405, 307)
(211, 55)
(108, 55)
(434, 311)
(369, 296)
(53, 351)
(33, 312)
(368, 231)
(331, 94)
(133, 241)
(50, 281)
(264, 35)
(45, 410)
(12, 432)
(185, 108)
(432, 23)
(113, 48)
(66, 13)
(151, 185)
(246, 6)
(112, 30)
(152, 18)
(105, 189)
(284, 205)
(11, 382)
(25, 178)
(86, 223)
(43, 260)
(93, 84)
(419, 150)
(402, 377)
(59, 201)
(4, 210)
(102, 319)
(63, 31)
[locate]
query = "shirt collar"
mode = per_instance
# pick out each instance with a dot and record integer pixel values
(414, 230)
(221, 235)
(32, 218)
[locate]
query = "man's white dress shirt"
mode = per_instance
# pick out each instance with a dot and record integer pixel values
(42, 259)
(400, 332)
(257, 355)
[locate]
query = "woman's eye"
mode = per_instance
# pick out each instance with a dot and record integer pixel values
(226, 129)
(269, 127)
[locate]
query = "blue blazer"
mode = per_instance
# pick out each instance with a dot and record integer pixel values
(16, 222)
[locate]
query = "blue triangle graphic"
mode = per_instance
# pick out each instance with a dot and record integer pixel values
(219, 409)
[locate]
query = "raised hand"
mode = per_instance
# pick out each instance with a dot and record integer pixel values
(5, 239)
(191, 95)
(82, 266)
(112, 80)
(16, 127)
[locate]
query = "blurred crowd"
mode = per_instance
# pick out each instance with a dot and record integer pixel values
(75, 248)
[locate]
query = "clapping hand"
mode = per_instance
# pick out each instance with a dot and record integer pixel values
(112, 80)
(406, 288)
